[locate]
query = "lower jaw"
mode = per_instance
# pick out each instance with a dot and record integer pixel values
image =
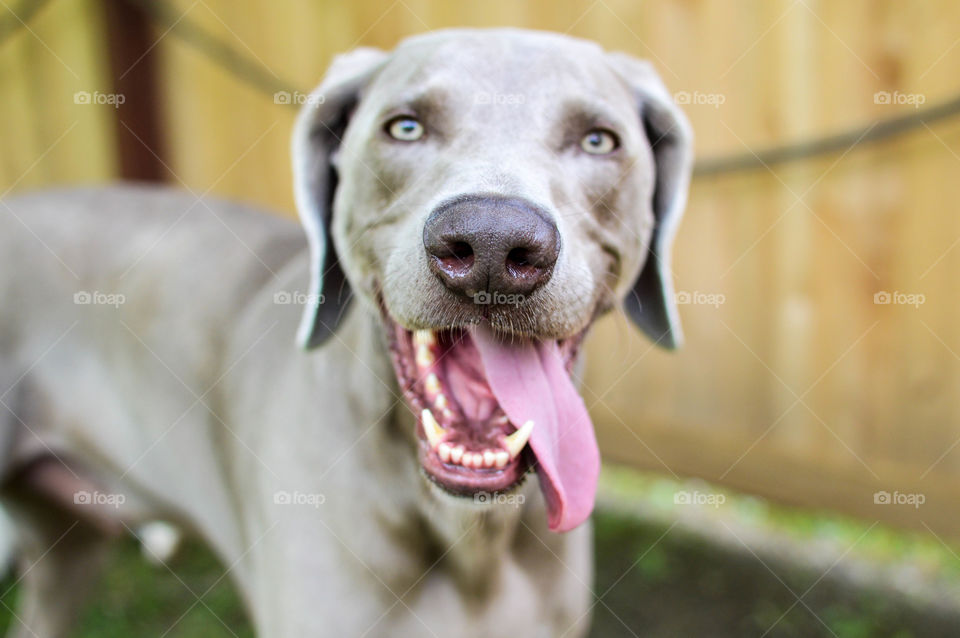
(462, 481)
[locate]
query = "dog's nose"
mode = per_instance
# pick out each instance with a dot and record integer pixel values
(497, 245)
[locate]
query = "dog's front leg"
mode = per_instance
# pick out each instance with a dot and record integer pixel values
(306, 577)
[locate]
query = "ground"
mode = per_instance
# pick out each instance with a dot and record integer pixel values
(656, 578)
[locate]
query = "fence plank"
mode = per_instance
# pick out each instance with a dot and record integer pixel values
(47, 137)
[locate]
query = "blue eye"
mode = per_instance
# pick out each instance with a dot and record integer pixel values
(599, 142)
(405, 129)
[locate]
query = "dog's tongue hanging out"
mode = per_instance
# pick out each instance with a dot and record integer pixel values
(531, 383)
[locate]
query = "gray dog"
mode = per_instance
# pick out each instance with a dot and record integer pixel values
(472, 202)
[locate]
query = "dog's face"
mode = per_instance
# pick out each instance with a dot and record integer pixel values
(490, 193)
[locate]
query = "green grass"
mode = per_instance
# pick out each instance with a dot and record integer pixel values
(135, 598)
(926, 554)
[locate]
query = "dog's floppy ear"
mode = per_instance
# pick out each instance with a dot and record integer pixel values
(651, 304)
(316, 137)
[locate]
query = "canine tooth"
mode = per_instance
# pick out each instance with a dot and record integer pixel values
(432, 429)
(456, 454)
(443, 450)
(488, 458)
(440, 401)
(425, 358)
(501, 458)
(432, 384)
(424, 338)
(516, 441)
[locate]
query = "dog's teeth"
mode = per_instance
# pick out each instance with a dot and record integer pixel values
(443, 451)
(456, 454)
(501, 459)
(425, 357)
(440, 401)
(477, 460)
(501, 420)
(467, 460)
(516, 441)
(488, 458)
(424, 338)
(448, 414)
(432, 384)
(432, 429)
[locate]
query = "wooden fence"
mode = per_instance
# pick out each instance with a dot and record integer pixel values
(797, 381)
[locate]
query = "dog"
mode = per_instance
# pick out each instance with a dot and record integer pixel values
(423, 464)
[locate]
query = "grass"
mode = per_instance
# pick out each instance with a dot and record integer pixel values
(925, 554)
(135, 598)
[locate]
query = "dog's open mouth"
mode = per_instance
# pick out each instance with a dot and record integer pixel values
(489, 407)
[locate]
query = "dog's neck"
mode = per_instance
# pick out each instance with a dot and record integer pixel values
(470, 540)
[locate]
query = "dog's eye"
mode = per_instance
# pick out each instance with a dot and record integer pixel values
(599, 142)
(405, 129)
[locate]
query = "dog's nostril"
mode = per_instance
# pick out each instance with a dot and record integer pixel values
(455, 258)
(520, 264)
(518, 257)
(461, 250)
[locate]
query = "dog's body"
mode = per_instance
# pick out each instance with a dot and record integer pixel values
(191, 407)
(147, 343)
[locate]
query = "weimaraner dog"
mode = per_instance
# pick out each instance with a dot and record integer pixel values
(423, 465)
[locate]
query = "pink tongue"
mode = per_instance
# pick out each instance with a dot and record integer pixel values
(530, 382)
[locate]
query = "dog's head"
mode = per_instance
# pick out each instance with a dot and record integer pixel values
(490, 193)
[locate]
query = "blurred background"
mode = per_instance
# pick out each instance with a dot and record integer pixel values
(795, 469)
